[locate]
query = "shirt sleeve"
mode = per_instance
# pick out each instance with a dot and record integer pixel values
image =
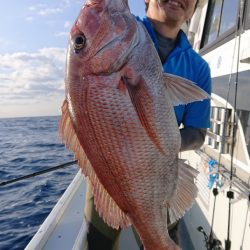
(197, 114)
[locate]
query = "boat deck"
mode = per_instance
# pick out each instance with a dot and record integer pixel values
(65, 227)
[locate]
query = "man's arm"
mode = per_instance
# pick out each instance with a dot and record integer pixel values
(192, 138)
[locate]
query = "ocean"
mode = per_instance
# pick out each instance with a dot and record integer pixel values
(28, 145)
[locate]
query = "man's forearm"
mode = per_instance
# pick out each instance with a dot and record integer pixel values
(192, 138)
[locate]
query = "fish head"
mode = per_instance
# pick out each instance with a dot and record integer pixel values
(101, 36)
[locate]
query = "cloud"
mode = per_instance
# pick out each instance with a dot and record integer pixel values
(27, 78)
(49, 11)
(29, 18)
(70, 2)
(60, 34)
(45, 10)
(67, 24)
(36, 7)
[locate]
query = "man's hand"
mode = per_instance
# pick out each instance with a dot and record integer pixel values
(192, 138)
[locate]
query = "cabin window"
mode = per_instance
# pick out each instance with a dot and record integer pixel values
(229, 15)
(247, 22)
(213, 21)
(221, 18)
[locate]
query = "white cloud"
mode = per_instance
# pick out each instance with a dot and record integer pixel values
(70, 2)
(67, 24)
(49, 11)
(29, 18)
(32, 80)
(36, 7)
(45, 10)
(60, 34)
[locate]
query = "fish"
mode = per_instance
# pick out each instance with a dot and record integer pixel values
(118, 119)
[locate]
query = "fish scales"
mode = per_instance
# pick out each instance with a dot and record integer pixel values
(118, 113)
(123, 141)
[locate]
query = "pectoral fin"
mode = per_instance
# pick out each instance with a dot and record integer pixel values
(183, 91)
(143, 104)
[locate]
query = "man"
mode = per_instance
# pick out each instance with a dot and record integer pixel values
(163, 22)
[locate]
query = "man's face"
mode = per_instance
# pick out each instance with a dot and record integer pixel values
(174, 11)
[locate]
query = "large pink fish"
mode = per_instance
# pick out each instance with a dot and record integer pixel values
(118, 118)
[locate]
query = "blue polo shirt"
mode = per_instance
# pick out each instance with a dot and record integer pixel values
(185, 62)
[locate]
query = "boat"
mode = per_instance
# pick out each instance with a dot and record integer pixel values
(220, 216)
(66, 228)
(219, 31)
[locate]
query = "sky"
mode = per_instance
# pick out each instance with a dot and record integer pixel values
(33, 41)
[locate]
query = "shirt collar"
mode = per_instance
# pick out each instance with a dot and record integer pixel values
(182, 41)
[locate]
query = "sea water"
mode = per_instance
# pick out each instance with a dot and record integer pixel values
(28, 145)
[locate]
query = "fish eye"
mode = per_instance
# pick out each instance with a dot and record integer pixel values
(79, 43)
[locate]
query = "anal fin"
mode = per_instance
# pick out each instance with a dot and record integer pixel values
(185, 194)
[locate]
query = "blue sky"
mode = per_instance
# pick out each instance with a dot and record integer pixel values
(33, 41)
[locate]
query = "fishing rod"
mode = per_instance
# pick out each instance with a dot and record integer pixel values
(4, 183)
(230, 193)
(212, 243)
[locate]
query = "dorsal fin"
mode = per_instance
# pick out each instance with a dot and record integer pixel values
(183, 91)
(105, 205)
